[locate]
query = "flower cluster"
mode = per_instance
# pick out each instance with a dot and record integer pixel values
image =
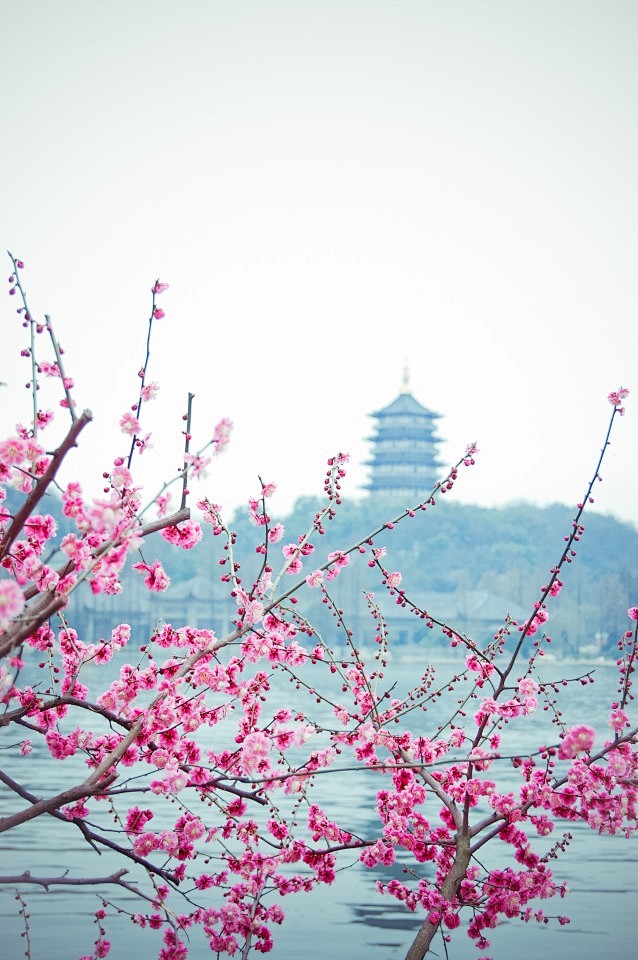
(210, 775)
(617, 398)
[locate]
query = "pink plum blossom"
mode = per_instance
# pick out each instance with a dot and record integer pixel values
(338, 560)
(221, 435)
(618, 719)
(576, 740)
(527, 687)
(276, 533)
(12, 451)
(616, 399)
(197, 465)
(162, 503)
(156, 578)
(129, 423)
(11, 602)
(254, 752)
(39, 529)
(121, 477)
(184, 535)
(149, 391)
(158, 712)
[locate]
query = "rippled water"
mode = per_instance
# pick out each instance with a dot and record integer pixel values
(348, 919)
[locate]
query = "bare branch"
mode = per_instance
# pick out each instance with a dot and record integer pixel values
(91, 836)
(187, 442)
(113, 879)
(53, 804)
(64, 880)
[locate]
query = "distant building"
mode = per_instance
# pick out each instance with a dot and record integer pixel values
(478, 614)
(404, 465)
(198, 602)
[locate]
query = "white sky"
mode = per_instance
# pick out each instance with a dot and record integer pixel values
(332, 188)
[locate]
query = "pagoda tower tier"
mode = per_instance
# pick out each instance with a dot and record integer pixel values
(404, 463)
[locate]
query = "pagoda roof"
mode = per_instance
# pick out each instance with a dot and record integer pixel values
(405, 403)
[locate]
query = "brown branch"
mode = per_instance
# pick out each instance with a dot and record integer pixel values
(92, 838)
(50, 602)
(43, 483)
(47, 882)
(144, 531)
(89, 835)
(112, 758)
(172, 521)
(50, 805)
(449, 889)
(15, 716)
(29, 621)
(103, 775)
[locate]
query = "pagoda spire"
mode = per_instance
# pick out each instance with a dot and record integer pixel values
(404, 463)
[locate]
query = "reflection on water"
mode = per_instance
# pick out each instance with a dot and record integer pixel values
(348, 920)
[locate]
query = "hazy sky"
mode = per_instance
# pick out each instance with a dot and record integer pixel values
(331, 189)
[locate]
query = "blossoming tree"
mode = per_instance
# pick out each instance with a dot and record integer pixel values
(193, 775)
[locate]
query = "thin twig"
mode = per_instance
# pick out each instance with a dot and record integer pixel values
(58, 357)
(189, 412)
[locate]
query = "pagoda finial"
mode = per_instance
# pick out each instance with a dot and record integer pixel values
(406, 379)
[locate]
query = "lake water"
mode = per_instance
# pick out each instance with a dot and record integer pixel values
(350, 919)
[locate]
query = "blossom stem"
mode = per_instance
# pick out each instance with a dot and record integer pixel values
(187, 441)
(58, 357)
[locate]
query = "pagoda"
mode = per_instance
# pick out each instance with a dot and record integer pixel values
(404, 465)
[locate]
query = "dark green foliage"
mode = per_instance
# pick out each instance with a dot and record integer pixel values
(451, 548)
(506, 551)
